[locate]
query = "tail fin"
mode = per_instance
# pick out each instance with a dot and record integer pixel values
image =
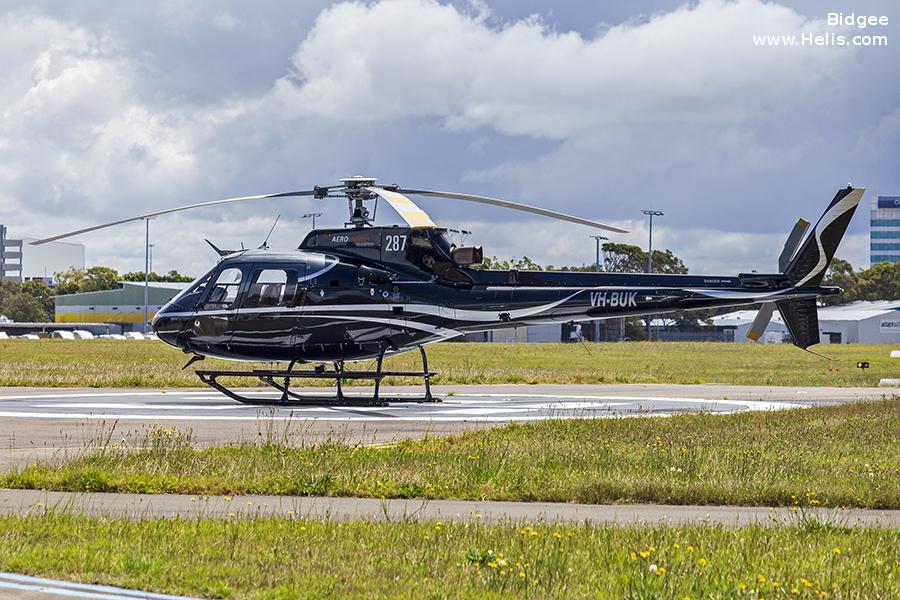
(808, 266)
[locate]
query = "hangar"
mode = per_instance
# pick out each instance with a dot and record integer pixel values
(854, 323)
(123, 306)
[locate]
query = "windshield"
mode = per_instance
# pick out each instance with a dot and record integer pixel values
(189, 296)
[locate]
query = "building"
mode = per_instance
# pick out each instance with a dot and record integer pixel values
(854, 323)
(10, 257)
(123, 307)
(884, 236)
(20, 261)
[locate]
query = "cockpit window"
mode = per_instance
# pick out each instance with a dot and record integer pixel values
(272, 288)
(225, 290)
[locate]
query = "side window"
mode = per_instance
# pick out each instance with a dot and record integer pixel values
(272, 288)
(224, 291)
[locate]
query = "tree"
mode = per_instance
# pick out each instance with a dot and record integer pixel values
(172, 276)
(43, 293)
(840, 273)
(879, 282)
(495, 264)
(23, 307)
(625, 258)
(91, 280)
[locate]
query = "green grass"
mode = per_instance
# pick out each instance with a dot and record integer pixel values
(274, 558)
(838, 456)
(151, 364)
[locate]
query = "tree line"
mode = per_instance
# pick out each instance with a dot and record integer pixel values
(32, 301)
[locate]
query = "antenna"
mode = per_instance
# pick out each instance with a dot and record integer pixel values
(266, 241)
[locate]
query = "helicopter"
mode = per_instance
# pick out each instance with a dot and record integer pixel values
(364, 292)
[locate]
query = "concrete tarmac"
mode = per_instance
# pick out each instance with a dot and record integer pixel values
(45, 423)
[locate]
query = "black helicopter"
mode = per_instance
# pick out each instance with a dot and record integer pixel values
(365, 292)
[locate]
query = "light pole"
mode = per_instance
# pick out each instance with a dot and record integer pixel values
(313, 216)
(146, 271)
(651, 214)
(598, 239)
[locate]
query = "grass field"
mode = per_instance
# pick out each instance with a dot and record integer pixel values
(286, 558)
(153, 364)
(835, 456)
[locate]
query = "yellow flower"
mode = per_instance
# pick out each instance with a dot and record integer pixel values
(661, 571)
(836, 551)
(742, 586)
(761, 579)
(651, 549)
(702, 562)
(644, 554)
(806, 582)
(633, 556)
(557, 535)
(522, 574)
(193, 499)
(795, 590)
(426, 536)
(690, 548)
(230, 514)
(676, 546)
(227, 499)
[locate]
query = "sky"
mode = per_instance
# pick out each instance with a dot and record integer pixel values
(599, 109)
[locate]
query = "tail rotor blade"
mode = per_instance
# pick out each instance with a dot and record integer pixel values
(515, 206)
(792, 243)
(761, 321)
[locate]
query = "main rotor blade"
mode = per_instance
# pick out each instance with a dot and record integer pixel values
(406, 208)
(515, 206)
(171, 210)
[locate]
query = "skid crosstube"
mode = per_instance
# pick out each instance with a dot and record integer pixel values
(281, 381)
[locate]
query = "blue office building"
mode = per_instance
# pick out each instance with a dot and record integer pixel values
(884, 238)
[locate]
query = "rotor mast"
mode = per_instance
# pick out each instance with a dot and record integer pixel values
(357, 195)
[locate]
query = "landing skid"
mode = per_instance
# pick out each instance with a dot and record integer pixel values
(281, 381)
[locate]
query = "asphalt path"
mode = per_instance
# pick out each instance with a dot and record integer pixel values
(152, 506)
(42, 423)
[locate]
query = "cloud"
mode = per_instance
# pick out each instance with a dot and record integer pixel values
(100, 119)
(72, 128)
(696, 64)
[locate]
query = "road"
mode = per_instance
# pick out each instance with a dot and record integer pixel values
(45, 423)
